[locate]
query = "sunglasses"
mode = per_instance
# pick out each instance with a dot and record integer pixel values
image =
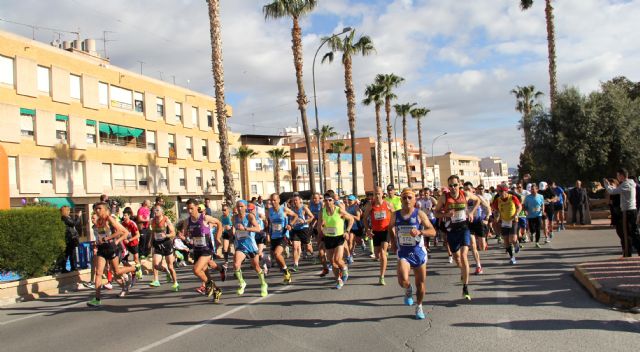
(453, 185)
(328, 199)
(407, 197)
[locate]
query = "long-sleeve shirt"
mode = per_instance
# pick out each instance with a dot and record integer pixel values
(627, 192)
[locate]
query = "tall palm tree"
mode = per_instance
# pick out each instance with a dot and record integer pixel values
(551, 47)
(349, 47)
(389, 82)
(403, 110)
(243, 154)
(338, 147)
(418, 114)
(221, 108)
(295, 9)
(277, 154)
(373, 95)
(325, 133)
(526, 100)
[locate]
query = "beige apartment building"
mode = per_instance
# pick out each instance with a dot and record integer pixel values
(258, 171)
(75, 126)
(465, 166)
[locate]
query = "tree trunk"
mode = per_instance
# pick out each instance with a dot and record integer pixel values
(406, 155)
(351, 114)
(296, 34)
(340, 171)
(276, 175)
(379, 140)
(420, 150)
(221, 109)
(551, 43)
(243, 179)
(323, 154)
(387, 108)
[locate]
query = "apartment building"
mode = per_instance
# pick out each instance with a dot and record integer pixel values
(257, 173)
(494, 166)
(465, 166)
(75, 127)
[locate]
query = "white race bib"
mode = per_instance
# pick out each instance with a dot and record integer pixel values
(158, 236)
(241, 235)
(506, 224)
(276, 227)
(459, 216)
(407, 240)
(379, 215)
(199, 241)
(331, 231)
(405, 229)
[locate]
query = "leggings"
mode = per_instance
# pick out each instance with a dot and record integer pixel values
(534, 227)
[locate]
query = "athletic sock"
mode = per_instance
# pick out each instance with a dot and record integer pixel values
(226, 256)
(238, 275)
(261, 277)
(371, 245)
(510, 251)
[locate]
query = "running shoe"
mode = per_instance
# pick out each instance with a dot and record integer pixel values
(537, 245)
(479, 270)
(208, 288)
(499, 240)
(450, 260)
(139, 272)
(339, 284)
(89, 285)
(287, 276)
(513, 261)
(345, 275)
(420, 313)
(154, 283)
(295, 268)
(122, 293)
(94, 302)
(408, 296)
(265, 269)
(465, 293)
(143, 257)
(264, 290)
(372, 256)
(201, 290)
(217, 293)
(175, 287)
(350, 260)
(381, 281)
(108, 286)
(324, 272)
(241, 288)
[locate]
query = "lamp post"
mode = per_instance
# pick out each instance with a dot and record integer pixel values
(315, 105)
(395, 141)
(433, 158)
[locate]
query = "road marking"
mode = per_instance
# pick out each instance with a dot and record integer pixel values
(207, 322)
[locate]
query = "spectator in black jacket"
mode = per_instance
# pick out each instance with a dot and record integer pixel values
(71, 235)
(578, 199)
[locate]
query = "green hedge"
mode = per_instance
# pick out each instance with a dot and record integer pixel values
(31, 240)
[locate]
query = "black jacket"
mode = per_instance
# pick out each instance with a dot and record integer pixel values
(578, 196)
(71, 233)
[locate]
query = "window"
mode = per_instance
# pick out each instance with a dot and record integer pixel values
(188, 143)
(143, 176)
(78, 174)
(303, 170)
(91, 132)
(74, 86)
(254, 189)
(121, 98)
(163, 178)
(182, 175)
(210, 118)
(106, 175)
(6, 70)
(61, 128)
(13, 171)
(160, 107)
(46, 165)
(151, 141)
(255, 164)
(122, 136)
(103, 93)
(316, 168)
(194, 116)
(26, 122)
(199, 178)
(205, 150)
(138, 102)
(43, 79)
(178, 108)
(171, 140)
(124, 176)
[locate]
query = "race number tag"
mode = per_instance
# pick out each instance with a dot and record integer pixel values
(380, 215)
(101, 235)
(459, 216)
(158, 236)
(331, 231)
(241, 235)
(199, 241)
(506, 224)
(276, 227)
(404, 235)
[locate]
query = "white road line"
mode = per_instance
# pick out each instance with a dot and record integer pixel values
(207, 322)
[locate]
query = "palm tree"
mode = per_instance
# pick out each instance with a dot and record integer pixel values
(296, 9)
(277, 155)
(526, 101)
(551, 47)
(418, 114)
(325, 133)
(349, 47)
(221, 108)
(373, 95)
(243, 154)
(338, 147)
(389, 82)
(403, 110)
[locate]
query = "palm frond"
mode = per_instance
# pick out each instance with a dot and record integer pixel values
(327, 57)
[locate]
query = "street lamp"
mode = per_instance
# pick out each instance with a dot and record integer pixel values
(315, 104)
(433, 158)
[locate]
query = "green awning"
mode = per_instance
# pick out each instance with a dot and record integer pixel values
(120, 131)
(135, 132)
(91, 122)
(62, 117)
(58, 202)
(25, 111)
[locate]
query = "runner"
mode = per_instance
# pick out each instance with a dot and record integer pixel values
(393, 198)
(315, 206)
(427, 203)
(261, 237)
(476, 226)
(558, 205)
(331, 229)
(163, 247)
(377, 217)
(132, 241)
(534, 208)
(410, 226)
(278, 217)
(227, 224)
(109, 235)
(453, 208)
(522, 216)
(300, 229)
(508, 207)
(244, 228)
(356, 230)
(549, 210)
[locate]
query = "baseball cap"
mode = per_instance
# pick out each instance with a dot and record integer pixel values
(352, 197)
(251, 206)
(542, 185)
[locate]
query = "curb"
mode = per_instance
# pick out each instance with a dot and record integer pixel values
(610, 297)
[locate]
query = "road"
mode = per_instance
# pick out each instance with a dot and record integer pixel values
(535, 305)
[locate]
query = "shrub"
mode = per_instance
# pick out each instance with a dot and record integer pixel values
(31, 240)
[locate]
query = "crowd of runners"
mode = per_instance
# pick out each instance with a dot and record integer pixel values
(272, 237)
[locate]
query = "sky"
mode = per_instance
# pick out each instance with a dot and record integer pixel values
(460, 59)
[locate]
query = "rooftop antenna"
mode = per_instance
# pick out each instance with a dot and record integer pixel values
(161, 78)
(104, 42)
(141, 62)
(174, 79)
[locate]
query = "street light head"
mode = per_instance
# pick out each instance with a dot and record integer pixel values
(346, 29)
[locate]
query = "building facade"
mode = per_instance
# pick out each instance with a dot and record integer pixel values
(494, 166)
(257, 172)
(75, 127)
(465, 166)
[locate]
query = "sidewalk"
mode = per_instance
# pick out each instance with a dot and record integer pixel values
(614, 282)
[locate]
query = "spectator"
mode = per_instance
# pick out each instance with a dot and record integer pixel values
(627, 192)
(180, 243)
(207, 207)
(142, 218)
(578, 200)
(71, 235)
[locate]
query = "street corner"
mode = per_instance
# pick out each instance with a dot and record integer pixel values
(614, 282)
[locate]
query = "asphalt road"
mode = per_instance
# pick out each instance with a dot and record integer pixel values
(535, 305)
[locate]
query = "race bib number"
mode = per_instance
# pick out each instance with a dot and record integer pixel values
(506, 224)
(199, 241)
(331, 231)
(101, 235)
(459, 216)
(276, 227)
(407, 240)
(241, 235)
(158, 236)
(380, 215)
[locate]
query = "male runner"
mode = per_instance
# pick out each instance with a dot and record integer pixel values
(508, 207)
(132, 241)
(331, 228)
(534, 208)
(353, 208)
(163, 247)
(244, 228)
(476, 227)
(377, 217)
(278, 217)
(300, 230)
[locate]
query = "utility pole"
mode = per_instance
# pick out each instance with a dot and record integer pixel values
(141, 62)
